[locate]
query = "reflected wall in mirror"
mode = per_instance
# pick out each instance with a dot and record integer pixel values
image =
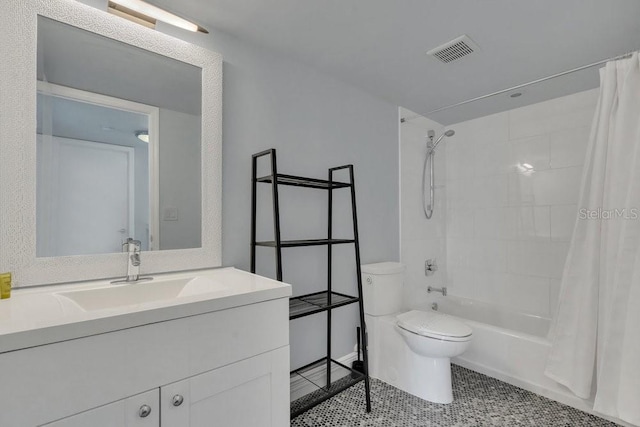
(118, 146)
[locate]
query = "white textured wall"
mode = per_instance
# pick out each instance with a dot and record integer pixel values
(422, 238)
(315, 122)
(512, 184)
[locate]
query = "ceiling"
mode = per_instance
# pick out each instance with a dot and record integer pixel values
(380, 45)
(68, 118)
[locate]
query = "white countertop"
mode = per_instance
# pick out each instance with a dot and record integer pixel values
(38, 316)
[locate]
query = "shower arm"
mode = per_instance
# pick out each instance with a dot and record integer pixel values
(431, 146)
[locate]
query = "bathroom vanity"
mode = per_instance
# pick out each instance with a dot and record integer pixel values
(200, 348)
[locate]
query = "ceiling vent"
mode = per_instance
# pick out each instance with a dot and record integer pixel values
(454, 49)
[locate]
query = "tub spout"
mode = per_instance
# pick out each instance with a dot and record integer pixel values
(442, 290)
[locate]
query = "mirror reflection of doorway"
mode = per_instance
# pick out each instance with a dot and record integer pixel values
(95, 176)
(87, 196)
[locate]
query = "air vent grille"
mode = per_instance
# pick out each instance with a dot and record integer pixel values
(454, 50)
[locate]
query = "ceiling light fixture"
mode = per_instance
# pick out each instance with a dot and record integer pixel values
(143, 136)
(140, 7)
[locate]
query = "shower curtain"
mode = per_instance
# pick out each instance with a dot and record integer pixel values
(596, 330)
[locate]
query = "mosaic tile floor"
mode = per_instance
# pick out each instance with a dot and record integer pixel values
(478, 401)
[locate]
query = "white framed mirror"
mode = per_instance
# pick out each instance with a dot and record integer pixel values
(127, 144)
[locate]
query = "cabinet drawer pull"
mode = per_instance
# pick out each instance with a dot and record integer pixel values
(177, 400)
(144, 411)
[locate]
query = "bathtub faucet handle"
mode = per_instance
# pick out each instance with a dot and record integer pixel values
(430, 267)
(442, 290)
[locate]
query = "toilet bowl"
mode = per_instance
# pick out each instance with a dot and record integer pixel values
(434, 338)
(411, 350)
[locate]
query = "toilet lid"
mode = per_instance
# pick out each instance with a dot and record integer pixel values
(434, 325)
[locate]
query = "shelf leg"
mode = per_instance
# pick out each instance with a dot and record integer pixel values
(363, 326)
(329, 275)
(276, 215)
(254, 177)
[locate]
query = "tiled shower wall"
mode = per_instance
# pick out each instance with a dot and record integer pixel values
(421, 239)
(512, 185)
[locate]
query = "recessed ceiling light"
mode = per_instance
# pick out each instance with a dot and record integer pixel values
(515, 94)
(154, 12)
(143, 136)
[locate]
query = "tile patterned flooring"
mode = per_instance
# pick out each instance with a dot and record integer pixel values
(479, 400)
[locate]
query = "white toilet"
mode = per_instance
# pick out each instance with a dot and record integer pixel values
(410, 350)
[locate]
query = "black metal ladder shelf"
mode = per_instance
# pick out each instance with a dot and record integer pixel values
(317, 302)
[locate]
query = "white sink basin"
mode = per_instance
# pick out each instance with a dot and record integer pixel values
(141, 293)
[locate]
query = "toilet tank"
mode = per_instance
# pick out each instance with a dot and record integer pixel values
(382, 288)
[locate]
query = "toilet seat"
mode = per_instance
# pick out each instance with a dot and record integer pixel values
(434, 325)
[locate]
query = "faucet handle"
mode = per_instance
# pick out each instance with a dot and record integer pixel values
(135, 259)
(430, 265)
(126, 246)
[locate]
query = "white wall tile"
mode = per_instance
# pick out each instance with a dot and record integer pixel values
(530, 153)
(488, 255)
(490, 191)
(569, 147)
(459, 252)
(462, 282)
(460, 157)
(528, 258)
(548, 187)
(541, 259)
(460, 221)
(490, 287)
(439, 166)
(520, 293)
(521, 127)
(563, 219)
(493, 223)
(528, 294)
(528, 223)
(558, 253)
(483, 130)
(415, 225)
(557, 114)
(492, 158)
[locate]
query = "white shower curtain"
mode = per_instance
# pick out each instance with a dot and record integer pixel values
(596, 331)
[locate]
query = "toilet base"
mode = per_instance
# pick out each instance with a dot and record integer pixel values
(431, 379)
(392, 361)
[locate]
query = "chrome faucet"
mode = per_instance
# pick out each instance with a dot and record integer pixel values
(442, 290)
(132, 248)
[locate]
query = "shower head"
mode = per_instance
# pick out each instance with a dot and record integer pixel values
(431, 134)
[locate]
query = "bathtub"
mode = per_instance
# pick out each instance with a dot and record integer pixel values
(509, 346)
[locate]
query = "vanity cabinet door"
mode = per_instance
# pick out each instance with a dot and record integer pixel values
(250, 393)
(141, 410)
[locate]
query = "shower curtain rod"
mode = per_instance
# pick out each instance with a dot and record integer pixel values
(553, 76)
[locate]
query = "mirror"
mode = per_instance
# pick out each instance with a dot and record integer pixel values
(196, 74)
(118, 145)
